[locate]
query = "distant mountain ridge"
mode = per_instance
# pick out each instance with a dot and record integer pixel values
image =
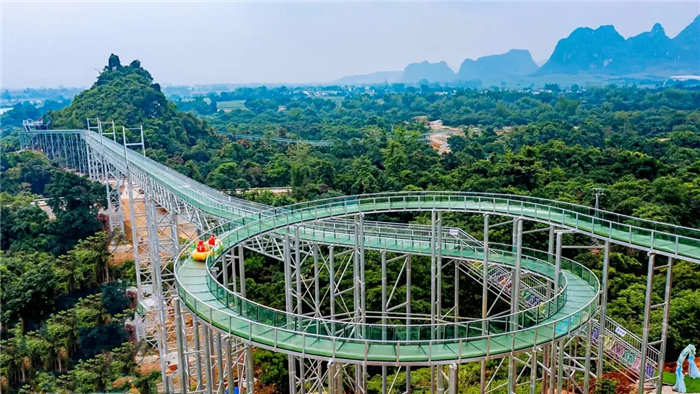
(515, 62)
(432, 72)
(585, 52)
(605, 51)
(375, 78)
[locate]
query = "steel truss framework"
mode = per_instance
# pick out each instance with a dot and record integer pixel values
(313, 267)
(310, 264)
(154, 215)
(559, 361)
(326, 280)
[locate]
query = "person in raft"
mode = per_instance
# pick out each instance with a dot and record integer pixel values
(212, 241)
(201, 247)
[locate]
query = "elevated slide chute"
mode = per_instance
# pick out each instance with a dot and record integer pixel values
(572, 306)
(206, 297)
(662, 239)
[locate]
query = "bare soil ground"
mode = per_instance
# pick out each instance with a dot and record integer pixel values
(439, 140)
(439, 133)
(121, 254)
(186, 230)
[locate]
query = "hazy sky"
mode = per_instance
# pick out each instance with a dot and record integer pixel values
(52, 44)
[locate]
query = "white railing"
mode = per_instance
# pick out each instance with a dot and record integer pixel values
(625, 348)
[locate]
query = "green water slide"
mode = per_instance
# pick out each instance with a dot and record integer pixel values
(444, 342)
(571, 306)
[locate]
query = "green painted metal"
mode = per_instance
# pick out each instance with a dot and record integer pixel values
(404, 344)
(311, 337)
(674, 241)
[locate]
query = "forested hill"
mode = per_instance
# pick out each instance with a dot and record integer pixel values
(64, 302)
(65, 321)
(128, 95)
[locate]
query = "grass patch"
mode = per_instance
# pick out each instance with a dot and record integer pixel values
(691, 385)
(230, 105)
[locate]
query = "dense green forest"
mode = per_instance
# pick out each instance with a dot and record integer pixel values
(26, 110)
(642, 146)
(64, 304)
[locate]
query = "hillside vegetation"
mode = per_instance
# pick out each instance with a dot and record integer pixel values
(64, 303)
(128, 96)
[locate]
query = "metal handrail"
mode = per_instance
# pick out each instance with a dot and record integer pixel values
(561, 293)
(486, 203)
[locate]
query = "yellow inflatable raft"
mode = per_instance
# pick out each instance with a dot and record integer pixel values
(202, 256)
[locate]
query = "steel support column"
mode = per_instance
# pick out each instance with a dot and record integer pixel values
(438, 301)
(587, 366)
(207, 359)
(603, 310)
(181, 346)
(484, 296)
(433, 288)
(408, 315)
(557, 351)
(514, 304)
(454, 379)
(547, 349)
(560, 367)
(645, 323)
(360, 297)
(248, 356)
(384, 317)
(287, 262)
(664, 323)
(533, 370)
